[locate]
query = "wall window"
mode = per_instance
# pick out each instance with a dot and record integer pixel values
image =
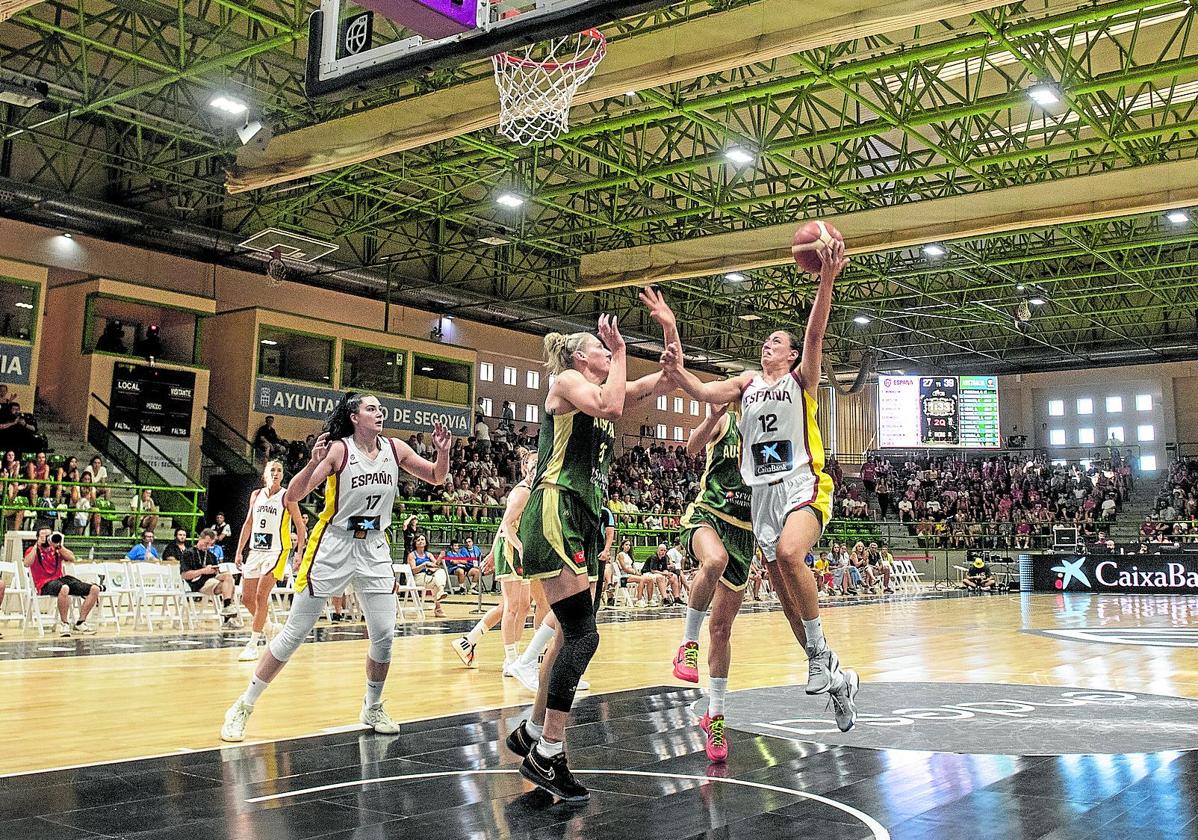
(1114, 405)
(662, 402)
(18, 309)
(678, 433)
(1143, 402)
(1056, 437)
(134, 328)
(486, 407)
(1145, 433)
(289, 355)
(1147, 463)
(533, 379)
(694, 407)
(532, 413)
(1114, 432)
(442, 380)
(509, 376)
(486, 372)
(1085, 436)
(372, 368)
(1085, 405)
(661, 431)
(677, 405)
(1056, 408)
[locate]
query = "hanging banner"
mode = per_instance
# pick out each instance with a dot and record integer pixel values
(15, 361)
(311, 402)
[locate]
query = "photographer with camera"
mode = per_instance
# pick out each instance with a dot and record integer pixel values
(46, 561)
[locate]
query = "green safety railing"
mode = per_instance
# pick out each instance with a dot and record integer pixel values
(18, 504)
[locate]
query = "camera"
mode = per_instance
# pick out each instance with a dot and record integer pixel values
(56, 538)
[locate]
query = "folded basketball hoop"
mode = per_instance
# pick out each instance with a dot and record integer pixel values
(537, 84)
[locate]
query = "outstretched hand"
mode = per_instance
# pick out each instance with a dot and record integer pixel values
(659, 310)
(442, 439)
(671, 361)
(832, 261)
(609, 333)
(320, 449)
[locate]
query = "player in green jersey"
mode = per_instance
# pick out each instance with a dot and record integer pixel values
(716, 531)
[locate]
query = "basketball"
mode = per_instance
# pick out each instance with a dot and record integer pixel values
(808, 241)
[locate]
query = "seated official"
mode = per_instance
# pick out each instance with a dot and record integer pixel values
(174, 551)
(978, 577)
(144, 550)
(462, 566)
(430, 572)
(198, 566)
(46, 561)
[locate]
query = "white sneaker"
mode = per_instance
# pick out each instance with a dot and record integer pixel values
(84, 628)
(529, 675)
(642, 603)
(251, 651)
(64, 630)
(465, 651)
(377, 719)
(507, 666)
(229, 610)
(235, 720)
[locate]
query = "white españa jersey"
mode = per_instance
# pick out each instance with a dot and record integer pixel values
(270, 529)
(780, 435)
(358, 499)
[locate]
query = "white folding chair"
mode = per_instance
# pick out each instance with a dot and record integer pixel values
(280, 604)
(95, 573)
(121, 588)
(409, 595)
(16, 594)
(43, 609)
(163, 585)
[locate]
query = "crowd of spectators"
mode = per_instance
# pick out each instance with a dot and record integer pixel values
(1174, 517)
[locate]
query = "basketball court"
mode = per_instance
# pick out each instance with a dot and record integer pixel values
(440, 183)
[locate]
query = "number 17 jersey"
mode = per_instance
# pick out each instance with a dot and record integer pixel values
(780, 436)
(359, 496)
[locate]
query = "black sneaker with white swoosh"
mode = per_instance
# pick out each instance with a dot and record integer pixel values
(554, 776)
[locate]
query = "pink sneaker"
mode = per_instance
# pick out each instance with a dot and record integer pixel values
(717, 744)
(686, 663)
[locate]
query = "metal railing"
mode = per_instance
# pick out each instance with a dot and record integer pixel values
(17, 503)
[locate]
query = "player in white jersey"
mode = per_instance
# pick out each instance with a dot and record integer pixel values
(782, 462)
(267, 533)
(360, 469)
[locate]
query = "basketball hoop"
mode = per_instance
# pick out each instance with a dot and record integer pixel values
(537, 84)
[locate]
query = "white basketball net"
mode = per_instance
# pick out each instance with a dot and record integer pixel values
(537, 84)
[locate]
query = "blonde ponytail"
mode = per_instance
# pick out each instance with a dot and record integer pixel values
(560, 350)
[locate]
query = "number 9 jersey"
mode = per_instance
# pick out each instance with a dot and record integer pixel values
(349, 542)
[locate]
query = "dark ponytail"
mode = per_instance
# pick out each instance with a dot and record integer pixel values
(339, 425)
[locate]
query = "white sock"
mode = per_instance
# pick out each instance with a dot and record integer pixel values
(477, 632)
(532, 729)
(374, 692)
(540, 641)
(549, 749)
(255, 637)
(717, 688)
(254, 691)
(694, 623)
(815, 636)
(510, 653)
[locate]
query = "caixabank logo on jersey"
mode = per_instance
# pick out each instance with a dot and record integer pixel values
(1158, 574)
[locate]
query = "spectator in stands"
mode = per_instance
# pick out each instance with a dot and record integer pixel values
(144, 550)
(112, 340)
(16, 432)
(823, 573)
(507, 419)
(223, 532)
(149, 346)
(409, 532)
(482, 436)
(266, 440)
(658, 564)
(143, 513)
(978, 576)
(46, 561)
(38, 471)
(174, 551)
(464, 569)
(429, 571)
(199, 568)
(100, 476)
(624, 573)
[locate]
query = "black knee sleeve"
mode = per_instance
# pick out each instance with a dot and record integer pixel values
(580, 641)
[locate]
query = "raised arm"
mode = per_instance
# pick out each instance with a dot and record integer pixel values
(720, 392)
(326, 457)
(431, 472)
(648, 386)
(832, 262)
(705, 431)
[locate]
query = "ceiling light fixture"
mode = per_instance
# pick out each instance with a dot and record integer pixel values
(739, 156)
(1019, 287)
(1037, 301)
(933, 250)
(750, 316)
(510, 200)
(1178, 217)
(1044, 94)
(268, 342)
(20, 304)
(734, 277)
(861, 319)
(68, 235)
(495, 239)
(228, 105)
